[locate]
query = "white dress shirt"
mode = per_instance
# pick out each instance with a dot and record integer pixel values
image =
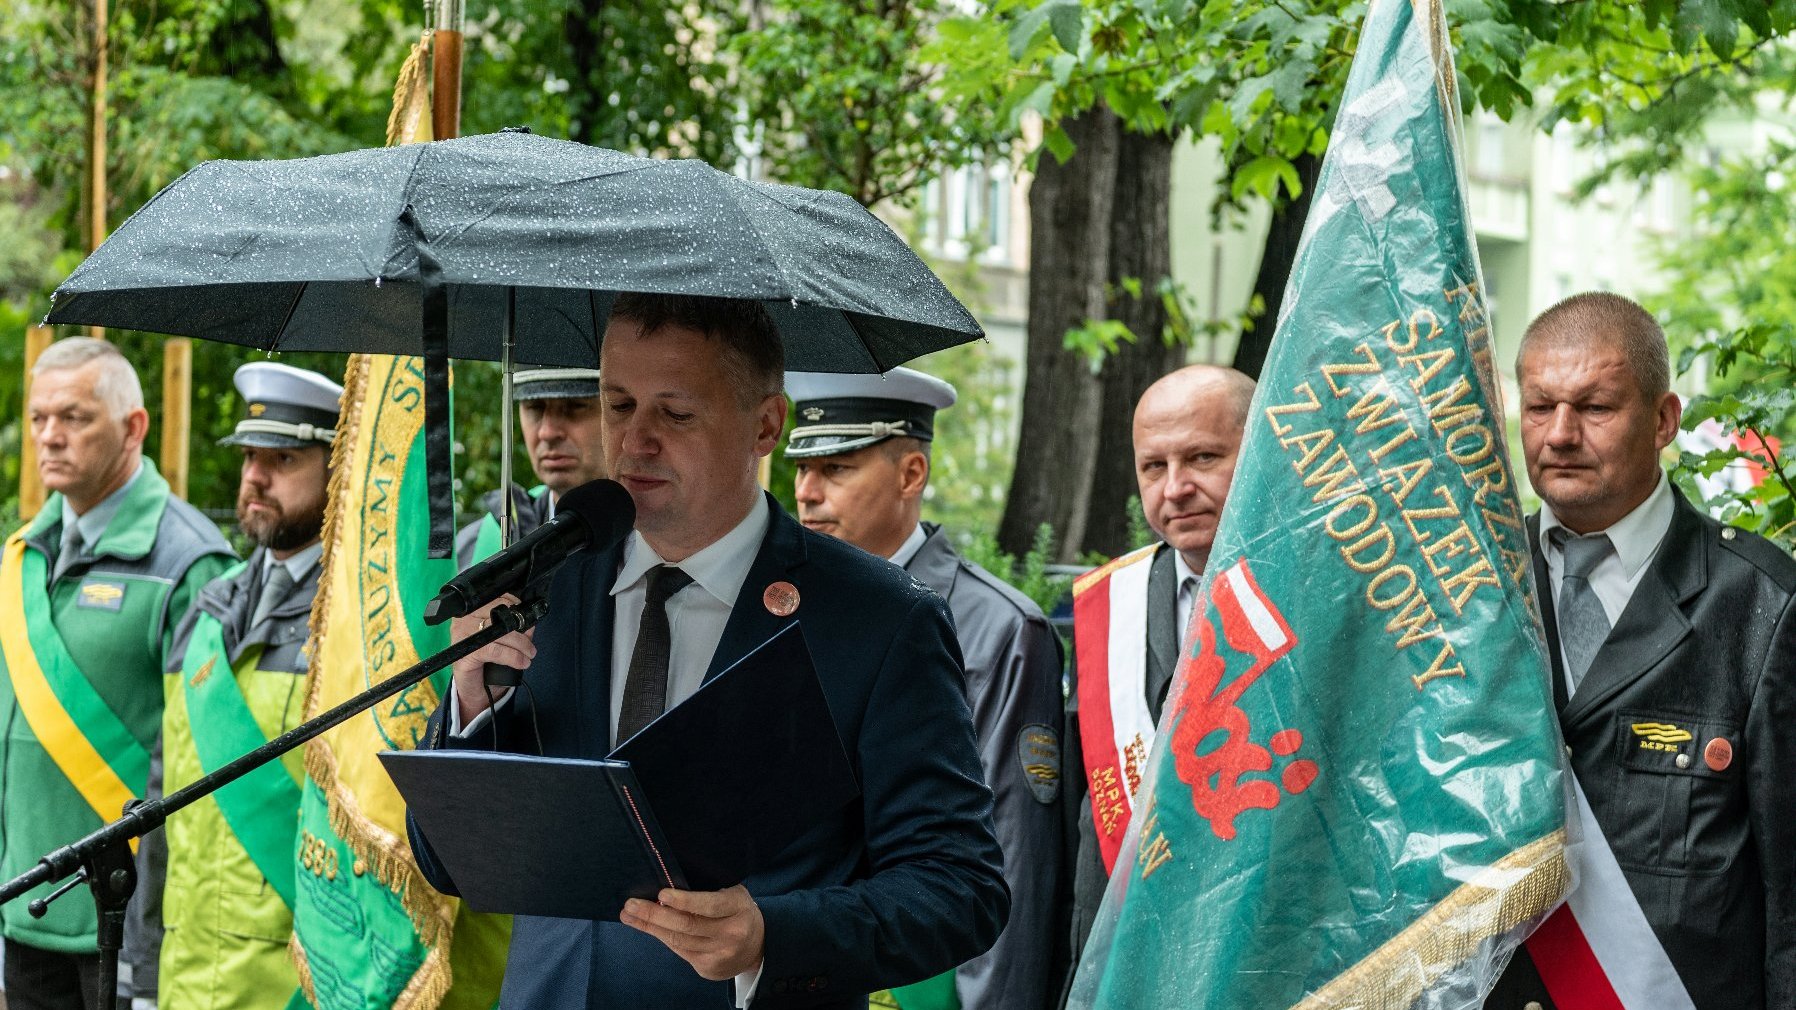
(1636, 538)
(696, 615)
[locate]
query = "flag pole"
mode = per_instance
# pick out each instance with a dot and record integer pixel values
(31, 485)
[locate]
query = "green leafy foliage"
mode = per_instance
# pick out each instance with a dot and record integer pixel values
(844, 96)
(1033, 576)
(1728, 307)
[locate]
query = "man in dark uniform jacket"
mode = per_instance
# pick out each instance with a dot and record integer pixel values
(904, 883)
(861, 445)
(1673, 647)
(558, 416)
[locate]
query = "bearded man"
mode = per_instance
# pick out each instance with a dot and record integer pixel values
(237, 679)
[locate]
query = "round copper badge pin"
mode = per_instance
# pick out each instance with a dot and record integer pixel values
(1718, 754)
(781, 599)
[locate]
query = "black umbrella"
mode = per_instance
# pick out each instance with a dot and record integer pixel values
(506, 247)
(333, 254)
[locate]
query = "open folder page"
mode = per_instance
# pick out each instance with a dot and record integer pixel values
(700, 799)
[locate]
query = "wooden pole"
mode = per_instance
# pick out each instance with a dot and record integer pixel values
(177, 413)
(445, 71)
(31, 485)
(96, 140)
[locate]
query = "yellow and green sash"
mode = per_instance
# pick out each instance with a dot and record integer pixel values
(262, 807)
(87, 740)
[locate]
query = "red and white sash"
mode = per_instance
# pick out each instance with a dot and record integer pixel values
(1115, 729)
(1598, 952)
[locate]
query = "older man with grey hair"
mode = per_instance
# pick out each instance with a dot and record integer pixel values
(1672, 640)
(90, 593)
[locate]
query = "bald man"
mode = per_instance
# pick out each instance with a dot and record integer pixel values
(1129, 615)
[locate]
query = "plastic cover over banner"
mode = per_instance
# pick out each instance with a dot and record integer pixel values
(1356, 796)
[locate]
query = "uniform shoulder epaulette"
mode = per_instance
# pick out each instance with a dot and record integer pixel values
(1762, 554)
(1102, 572)
(1025, 607)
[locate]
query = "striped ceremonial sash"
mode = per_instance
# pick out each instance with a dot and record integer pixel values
(1597, 951)
(87, 741)
(1115, 729)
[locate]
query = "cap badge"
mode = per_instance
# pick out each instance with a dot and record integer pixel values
(813, 413)
(257, 409)
(781, 599)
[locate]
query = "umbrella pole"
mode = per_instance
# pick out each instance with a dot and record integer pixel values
(508, 520)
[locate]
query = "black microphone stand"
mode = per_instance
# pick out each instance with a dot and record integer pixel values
(103, 859)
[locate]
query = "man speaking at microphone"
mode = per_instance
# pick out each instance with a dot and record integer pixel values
(900, 886)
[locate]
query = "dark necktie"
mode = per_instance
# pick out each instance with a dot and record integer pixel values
(1583, 624)
(274, 593)
(645, 686)
(68, 552)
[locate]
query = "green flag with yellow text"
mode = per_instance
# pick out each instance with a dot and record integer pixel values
(1355, 796)
(369, 932)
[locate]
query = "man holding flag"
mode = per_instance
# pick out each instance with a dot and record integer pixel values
(1355, 797)
(1129, 615)
(237, 679)
(1673, 647)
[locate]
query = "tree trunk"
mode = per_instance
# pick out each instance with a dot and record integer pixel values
(1141, 248)
(587, 42)
(1275, 267)
(1069, 222)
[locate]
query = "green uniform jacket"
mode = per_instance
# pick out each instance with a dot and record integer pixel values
(158, 551)
(225, 927)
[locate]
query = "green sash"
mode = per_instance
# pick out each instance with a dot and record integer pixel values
(488, 541)
(930, 994)
(262, 807)
(87, 740)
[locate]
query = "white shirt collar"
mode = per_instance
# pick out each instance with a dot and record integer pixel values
(1635, 536)
(909, 548)
(720, 567)
(1185, 571)
(298, 566)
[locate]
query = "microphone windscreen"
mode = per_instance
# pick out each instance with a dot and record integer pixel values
(604, 506)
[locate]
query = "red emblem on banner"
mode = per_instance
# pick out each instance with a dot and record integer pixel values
(1213, 747)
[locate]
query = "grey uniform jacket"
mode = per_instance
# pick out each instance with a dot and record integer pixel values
(1013, 663)
(282, 634)
(1706, 644)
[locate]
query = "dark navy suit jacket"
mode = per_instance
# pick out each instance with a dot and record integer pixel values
(903, 884)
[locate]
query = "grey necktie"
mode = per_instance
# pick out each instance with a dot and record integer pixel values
(68, 552)
(1583, 624)
(645, 686)
(274, 592)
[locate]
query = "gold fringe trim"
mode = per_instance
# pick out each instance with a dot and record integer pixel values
(1086, 581)
(411, 100)
(304, 968)
(386, 856)
(1395, 975)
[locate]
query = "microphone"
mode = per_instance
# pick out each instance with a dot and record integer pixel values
(595, 515)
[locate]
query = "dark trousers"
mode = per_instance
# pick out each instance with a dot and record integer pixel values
(45, 980)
